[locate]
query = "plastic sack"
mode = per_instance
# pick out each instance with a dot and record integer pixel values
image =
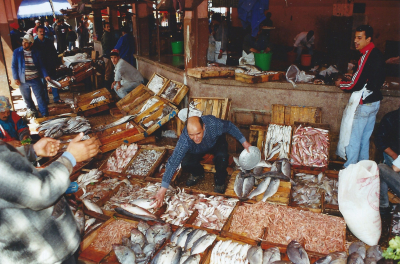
(292, 74)
(303, 77)
(359, 200)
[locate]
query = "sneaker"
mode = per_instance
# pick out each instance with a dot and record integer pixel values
(193, 180)
(219, 189)
(31, 113)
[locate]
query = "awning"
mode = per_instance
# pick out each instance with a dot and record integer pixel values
(36, 8)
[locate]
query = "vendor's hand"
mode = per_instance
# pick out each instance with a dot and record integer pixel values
(17, 82)
(337, 82)
(47, 78)
(46, 147)
(246, 145)
(83, 150)
(118, 85)
(15, 143)
(159, 197)
(112, 85)
(395, 168)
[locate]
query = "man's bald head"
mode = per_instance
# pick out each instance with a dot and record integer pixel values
(195, 128)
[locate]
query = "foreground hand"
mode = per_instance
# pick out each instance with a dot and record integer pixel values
(15, 143)
(159, 197)
(337, 82)
(395, 168)
(83, 150)
(246, 145)
(46, 147)
(17, 82)
(47, 78)
(118, 86)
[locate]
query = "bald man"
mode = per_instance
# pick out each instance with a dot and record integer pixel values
(202, 135)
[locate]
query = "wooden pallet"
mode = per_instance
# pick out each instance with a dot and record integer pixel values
(272, 76)
(288, 114)
(83, 102)
(208, 72)
(282, 196)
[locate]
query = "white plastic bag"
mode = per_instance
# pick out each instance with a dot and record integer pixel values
(292, 74)
(359, 200)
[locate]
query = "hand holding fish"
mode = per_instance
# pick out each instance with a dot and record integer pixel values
(246, 145)
(83, 150)
(159, 197)
(46, 147)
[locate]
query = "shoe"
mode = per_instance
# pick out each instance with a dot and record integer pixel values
(193, 180)
(219, 189)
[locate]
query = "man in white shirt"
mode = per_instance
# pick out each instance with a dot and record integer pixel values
(126, 77)
(304, 40)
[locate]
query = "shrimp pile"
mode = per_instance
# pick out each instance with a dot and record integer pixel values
(310, 147)
(112, 234)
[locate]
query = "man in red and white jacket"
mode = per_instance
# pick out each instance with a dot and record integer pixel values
(370, 75)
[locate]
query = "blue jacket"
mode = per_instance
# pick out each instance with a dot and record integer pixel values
(18, 64)
(126, 47)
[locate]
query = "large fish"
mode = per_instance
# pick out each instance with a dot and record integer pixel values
(183, 237)
(272, 189)
(355, 258)
(143, 203)
(296, 253)
(124, 254)
(270, 255)
(143, 226)
(261, 188)
(193, 259)
(137, 237)
(255, 255)
(175, 235)
(134, 209)
(169, 255)
(248, 185)
(358, 247)
(238, 187)
(142, 217)
(193, 237)
(202, 244)
(92, 206)
(115, 123)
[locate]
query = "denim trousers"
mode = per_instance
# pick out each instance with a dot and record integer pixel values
(388, 179)
(38, 90)
(191, 161)
(54, 91)
(126, 87)
(363, 125)
(71, 44)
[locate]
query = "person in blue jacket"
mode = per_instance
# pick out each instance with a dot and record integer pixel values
(28, 69)
(126, 46)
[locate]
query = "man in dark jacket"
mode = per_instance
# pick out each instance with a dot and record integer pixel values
(16, 36)
(370, 75)
(71, 38)
(126, 46)
(107, 45)
(28, 69)
(49, 57)
(61, 32)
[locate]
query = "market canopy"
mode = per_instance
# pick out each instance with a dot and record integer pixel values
(35, 8)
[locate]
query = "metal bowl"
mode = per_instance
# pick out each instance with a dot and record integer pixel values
(248, 160)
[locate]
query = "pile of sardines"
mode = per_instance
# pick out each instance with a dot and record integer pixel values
(57, 127)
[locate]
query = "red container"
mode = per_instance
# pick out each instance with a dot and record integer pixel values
(306, 60)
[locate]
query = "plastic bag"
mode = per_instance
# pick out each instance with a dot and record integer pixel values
(359, 200)
(303, 77)
(291, 74)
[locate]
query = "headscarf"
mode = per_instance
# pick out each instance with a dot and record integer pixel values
(4, 104)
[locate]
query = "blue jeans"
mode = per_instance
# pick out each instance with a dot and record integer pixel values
(54, 91)
(363, 125)
(126, 88)
(299, 50)
(389, 179)
(71, 44)
(39, 91)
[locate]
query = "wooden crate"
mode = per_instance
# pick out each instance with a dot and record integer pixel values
(282, 196)
(288, 114)
(257, 136)
(210, 72)
(156, 89)
(83, 102)
(103, 167)
(182, 91)
(139, 139)
(79, 77)
(116, 133)
(155, 164)
(332, 209)
(82, 66)
(218, 107)
(158, 174)
(134, 100)
(272, 76)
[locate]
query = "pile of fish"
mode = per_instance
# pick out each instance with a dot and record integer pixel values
(213, 211)
(85, 179)
(144, 161)
(121, 157)
(85, 223)
(115, 123)
(309, 188)
(103, 189)
(55, 128)
(248, 69)
(143, 242)
(156, 83)
(310, 147)
(170, 92)
(156, 115)
(229, 252)
(180, 208)
(98, 99)
(277, 141)
(245, 181)
(358, 254)
(186, 246)
(129, 193)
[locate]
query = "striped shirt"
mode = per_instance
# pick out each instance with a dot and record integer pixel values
(31, 71)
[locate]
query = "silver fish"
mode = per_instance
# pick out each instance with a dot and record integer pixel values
(202, 244)
(137, 249)
(137, 237)
(358, 247)
(80, 220)
(296, 253)
(370, 260)
(124, 254)
(169, 255)
(272, 189)
(136, 210)
(143, 226)
(355, 258)
(143, 203)
(89, 222)
(261, 188)
(184, 256)
(115, 123)
(193, 237)
(248, 185)
(324, 260)
(271, 255)
(255, 255)
(258, 170)
(375, 252)
(193, 259)
(285, 167)
(92, 206)
(183, 236)
(238, 187)
(175, 235)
